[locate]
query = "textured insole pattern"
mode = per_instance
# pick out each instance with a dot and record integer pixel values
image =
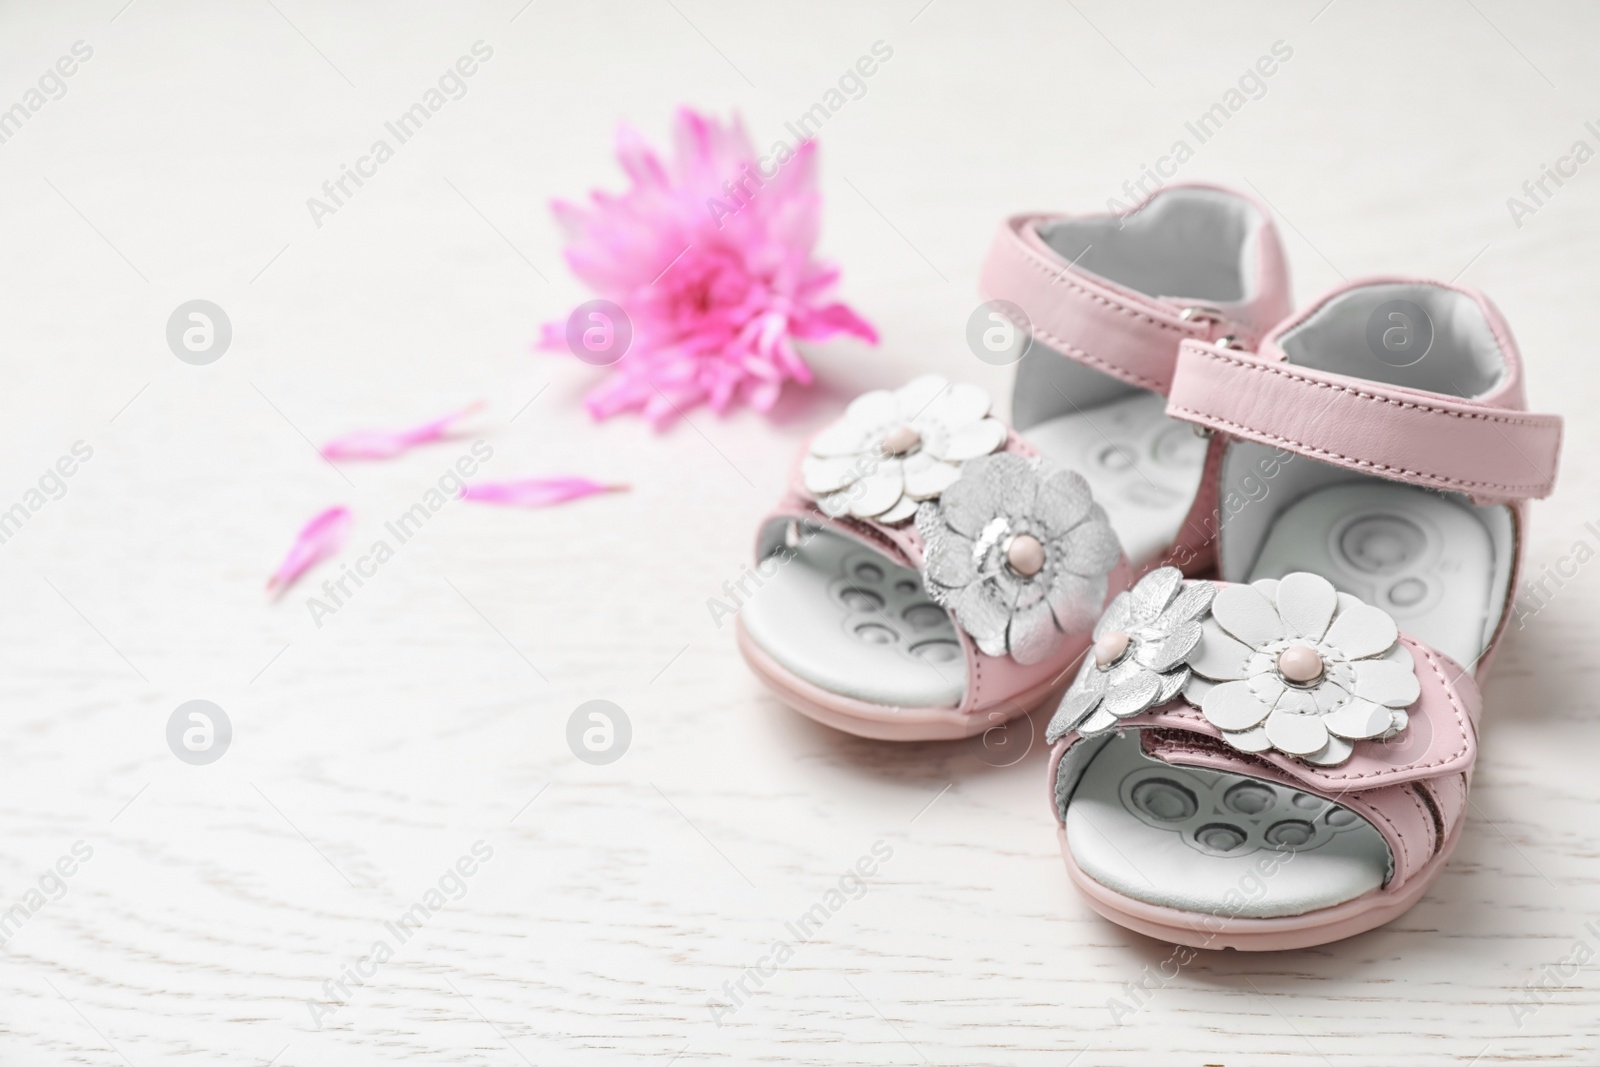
(1420, 556)
(1202, 840)
(846, 619)
(1143, 467)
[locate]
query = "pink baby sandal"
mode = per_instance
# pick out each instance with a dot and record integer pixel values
(931, 574)
(1281, 758)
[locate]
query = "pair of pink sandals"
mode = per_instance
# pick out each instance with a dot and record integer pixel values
(1257, 562)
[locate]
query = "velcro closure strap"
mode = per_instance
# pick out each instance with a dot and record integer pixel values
(1412, 788)
(1114, 330)
(1495, 455)
(1440, 738)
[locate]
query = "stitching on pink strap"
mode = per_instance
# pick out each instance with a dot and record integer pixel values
(796, 508)
(870, 530)
(1509, 419)
(1018, 249)
(1430, 818)
(1458, 803)
(1429, 795)
(1540, 483)
(975, 686)
(1241, 430)
(1113, 369)
(1030, 258)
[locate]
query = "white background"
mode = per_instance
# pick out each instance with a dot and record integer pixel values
(372, 752)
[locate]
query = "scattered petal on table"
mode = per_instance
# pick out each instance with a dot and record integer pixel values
(537, 492)
(386, 444)
(319, 539)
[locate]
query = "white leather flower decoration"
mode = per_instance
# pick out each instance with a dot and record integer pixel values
(1297, 666)
(1139, 656)
(1019, 557)
(891, 451)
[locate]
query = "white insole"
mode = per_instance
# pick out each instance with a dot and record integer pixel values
(1203, 841)
(1157, 833)
(844, 618)
(1143, 467)
(1419, 555)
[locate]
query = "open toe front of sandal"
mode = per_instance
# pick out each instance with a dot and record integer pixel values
(849, 621)
(1213, 843)
(928, 576)
(1258, 766)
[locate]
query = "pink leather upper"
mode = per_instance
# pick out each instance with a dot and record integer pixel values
(1116, 330)
(1492, 453)
(1412, 788)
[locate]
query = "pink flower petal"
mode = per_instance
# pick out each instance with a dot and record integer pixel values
(319, 539)
(709, 251)
(552, 337)
(834, 319)
(537, 492)
(386, 444)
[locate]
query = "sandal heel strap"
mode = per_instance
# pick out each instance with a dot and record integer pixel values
(1495, 455)
(1129, 336)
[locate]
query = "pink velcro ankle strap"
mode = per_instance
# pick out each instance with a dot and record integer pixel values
(1495, 455)
(1122, 333)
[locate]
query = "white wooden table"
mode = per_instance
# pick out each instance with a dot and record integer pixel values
(620, 907)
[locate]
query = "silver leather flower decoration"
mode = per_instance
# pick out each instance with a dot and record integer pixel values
(1297, 666)
(890, 451)
(1138, 658)
(1020, 556)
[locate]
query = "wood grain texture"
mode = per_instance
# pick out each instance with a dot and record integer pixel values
(372, 752)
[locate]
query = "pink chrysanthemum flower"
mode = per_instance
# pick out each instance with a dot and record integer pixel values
(710, 256)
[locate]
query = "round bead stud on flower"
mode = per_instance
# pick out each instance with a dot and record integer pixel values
(1138, 657)
(1300, 665)
(1024, 555)
(893, 450)
(1021, 558)
(1297, 666)
(901, 441)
